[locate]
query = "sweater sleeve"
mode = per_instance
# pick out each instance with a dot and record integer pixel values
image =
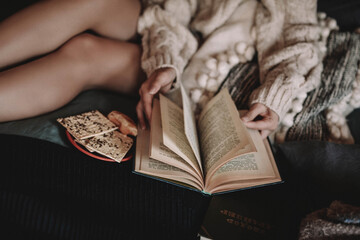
(288, 52)
(166, 39)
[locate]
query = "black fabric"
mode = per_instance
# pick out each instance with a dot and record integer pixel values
(346, 12)
(10, 7)
(52, 192)
(326, 171)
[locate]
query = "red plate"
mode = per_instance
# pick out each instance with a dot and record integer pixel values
(71, 139)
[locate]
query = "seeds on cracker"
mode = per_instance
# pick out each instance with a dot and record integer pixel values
(114, 145)
(87, 124)
(84, 142)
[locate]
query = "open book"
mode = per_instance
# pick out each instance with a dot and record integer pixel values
(214, 154)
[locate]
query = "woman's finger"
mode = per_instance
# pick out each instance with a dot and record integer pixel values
(265, 133)
(255, 110)
(160, 79)
(147, 104)
(166, 88)
(263, 124)
(140, 114)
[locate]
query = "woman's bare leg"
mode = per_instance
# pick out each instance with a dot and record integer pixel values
(84, 62)
(46, 25)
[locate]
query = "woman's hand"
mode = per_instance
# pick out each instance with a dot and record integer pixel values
(159, 81)
(261, 118)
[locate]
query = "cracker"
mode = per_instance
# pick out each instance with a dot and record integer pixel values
(84, 142)
(87, 124)
(113, 145)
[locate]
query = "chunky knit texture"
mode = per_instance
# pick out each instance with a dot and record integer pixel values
(285, 34)
(290, 40)
(338, 221)
(337, 83)
(338, 88)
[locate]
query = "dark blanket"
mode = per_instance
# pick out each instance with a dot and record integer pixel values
(329, 171)
(53, 192)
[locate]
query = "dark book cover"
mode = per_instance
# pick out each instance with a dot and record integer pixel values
(228, 218)
(272, 212)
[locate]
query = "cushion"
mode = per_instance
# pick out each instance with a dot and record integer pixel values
(46, 128)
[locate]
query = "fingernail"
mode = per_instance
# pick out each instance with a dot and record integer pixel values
(152, 91)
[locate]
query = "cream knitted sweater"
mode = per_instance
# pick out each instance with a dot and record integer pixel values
(284, 33)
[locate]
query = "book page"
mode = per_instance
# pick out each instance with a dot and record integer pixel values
(247, 168)
(222, 134)
(172, 119)
(190, 126)
(144, 164)
(159, 151)
(167, 172)
(244, 184)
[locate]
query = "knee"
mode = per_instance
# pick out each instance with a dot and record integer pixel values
(80, 54)
(99, 59)
(88, 48)
(80, 47)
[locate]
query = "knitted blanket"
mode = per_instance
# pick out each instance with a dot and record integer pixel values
(322, 113)
(338, 221)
